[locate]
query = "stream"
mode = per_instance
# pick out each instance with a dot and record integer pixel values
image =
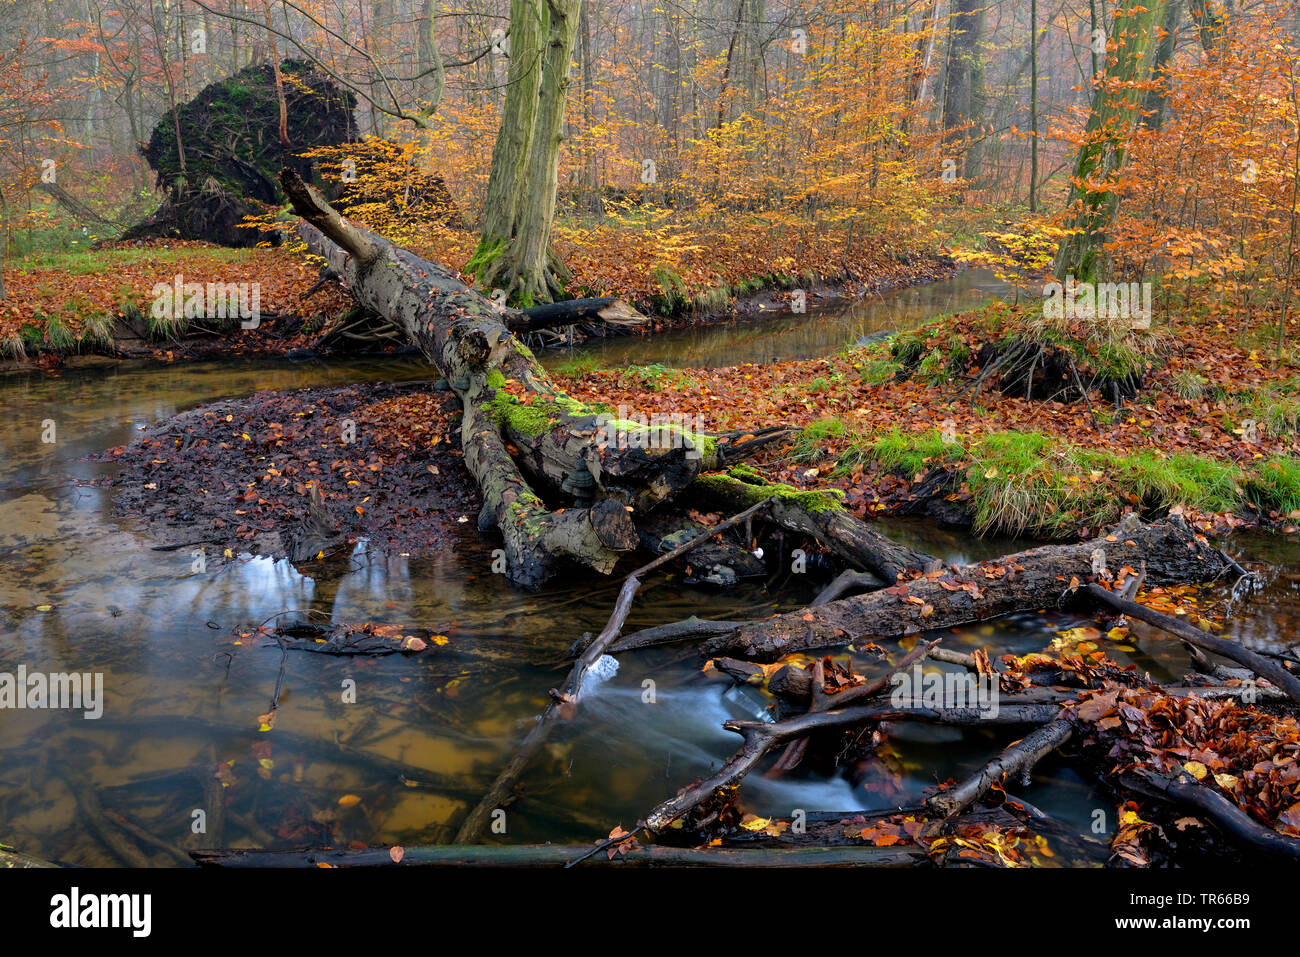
(178, 753)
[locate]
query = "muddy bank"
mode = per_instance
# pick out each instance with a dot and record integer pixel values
(238, 475)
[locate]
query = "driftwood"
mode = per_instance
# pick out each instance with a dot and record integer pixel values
(521, 443)
(1037, 578)
(1184, 791)
(815, 516)
(573, 311)
(1269, 668)
(1019, 758)
(760, 737)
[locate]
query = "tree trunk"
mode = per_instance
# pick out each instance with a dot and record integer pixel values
(1101, 157)
(964, 78)
(1038, 578)
(506, 180)
(1156, 100)
(1033, 106)
(524, 440)
(527, 270)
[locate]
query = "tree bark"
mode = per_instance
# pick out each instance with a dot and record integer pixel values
(1093, 200)
(527, 269)
(510, 152)
(964, 78)
(1026, 581)
(524, 439)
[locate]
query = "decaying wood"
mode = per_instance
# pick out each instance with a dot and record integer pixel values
(1184, 791)
(522, 445)
(716, 562)
(962, 594)
(850, 538)
(1269, 668)
(673, 632)
(605, 310)
(760, 737)
(1019, 758)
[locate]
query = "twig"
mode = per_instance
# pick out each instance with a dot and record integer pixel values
(1264, 667)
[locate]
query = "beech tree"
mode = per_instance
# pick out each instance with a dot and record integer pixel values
(514, 252)
(1094, 199)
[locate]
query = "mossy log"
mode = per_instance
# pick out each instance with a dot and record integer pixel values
(814, 514)
(1046, 577)
(561, 479)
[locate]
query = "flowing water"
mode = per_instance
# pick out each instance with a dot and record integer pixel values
(777, 334)
(393, 750)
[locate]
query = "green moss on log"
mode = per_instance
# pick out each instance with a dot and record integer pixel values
(747, 487)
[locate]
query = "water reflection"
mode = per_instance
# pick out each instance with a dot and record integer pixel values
(782, 336)
(419, 738)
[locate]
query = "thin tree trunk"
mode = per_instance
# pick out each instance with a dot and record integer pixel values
(279, 80)
(1033, 106)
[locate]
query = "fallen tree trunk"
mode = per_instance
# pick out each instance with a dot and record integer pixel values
(568, 312)
(1269, 668)
(962, 594)
(815, 515)
(1184, 791)
(1019, 758)
(524, 439)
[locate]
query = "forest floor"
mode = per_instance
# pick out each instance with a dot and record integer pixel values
(75, 308)
(901, 426)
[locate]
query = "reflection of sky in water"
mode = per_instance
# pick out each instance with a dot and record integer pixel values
(181, 697)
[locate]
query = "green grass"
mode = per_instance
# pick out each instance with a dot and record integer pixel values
(655, 376)
(58, 338)
(78, 263)
(878, 371)
(576, 367)
(1276, 407)
(1275, 484)
(12, 347)
(1022, 482)
(908, 455)
(809, 444)
(1189, 385)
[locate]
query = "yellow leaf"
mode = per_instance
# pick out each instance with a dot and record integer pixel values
(349, 800)
(1196, 769)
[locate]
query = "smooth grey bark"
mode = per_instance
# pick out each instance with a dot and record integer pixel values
(964, 79)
